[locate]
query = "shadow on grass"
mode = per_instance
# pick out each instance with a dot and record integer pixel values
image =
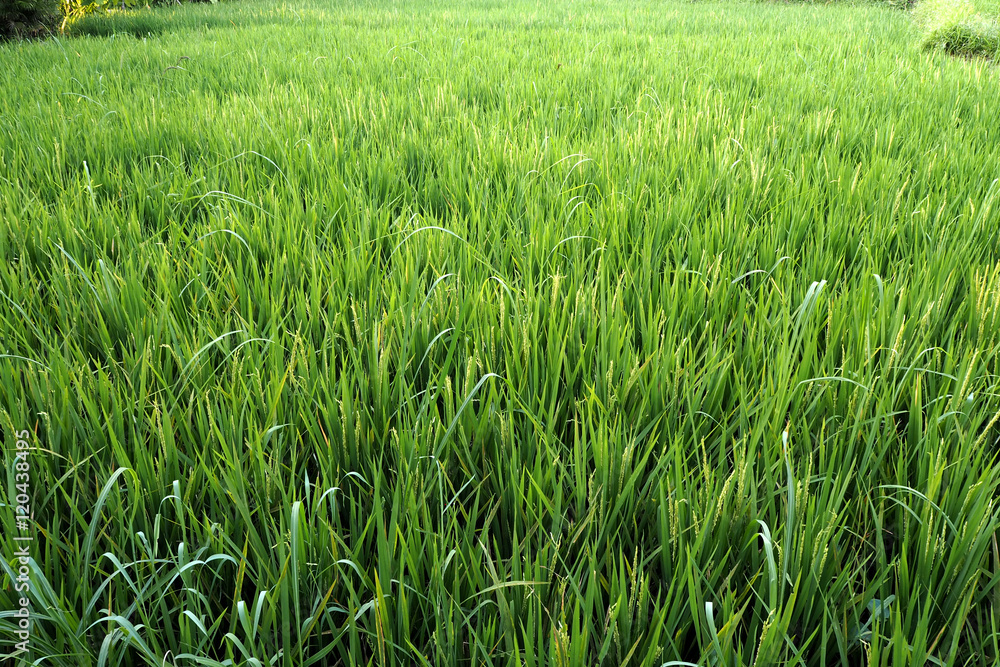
(152, 21)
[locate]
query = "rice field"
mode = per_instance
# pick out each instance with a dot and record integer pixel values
(511, 334)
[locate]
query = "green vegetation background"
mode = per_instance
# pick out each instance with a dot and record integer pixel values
(503, 334)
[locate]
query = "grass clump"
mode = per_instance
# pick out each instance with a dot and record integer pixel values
(960, 27)
(401, 332)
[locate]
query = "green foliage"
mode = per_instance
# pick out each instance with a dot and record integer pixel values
(604, 333)
(18, 15)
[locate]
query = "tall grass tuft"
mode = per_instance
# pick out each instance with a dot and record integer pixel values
(956, 27)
